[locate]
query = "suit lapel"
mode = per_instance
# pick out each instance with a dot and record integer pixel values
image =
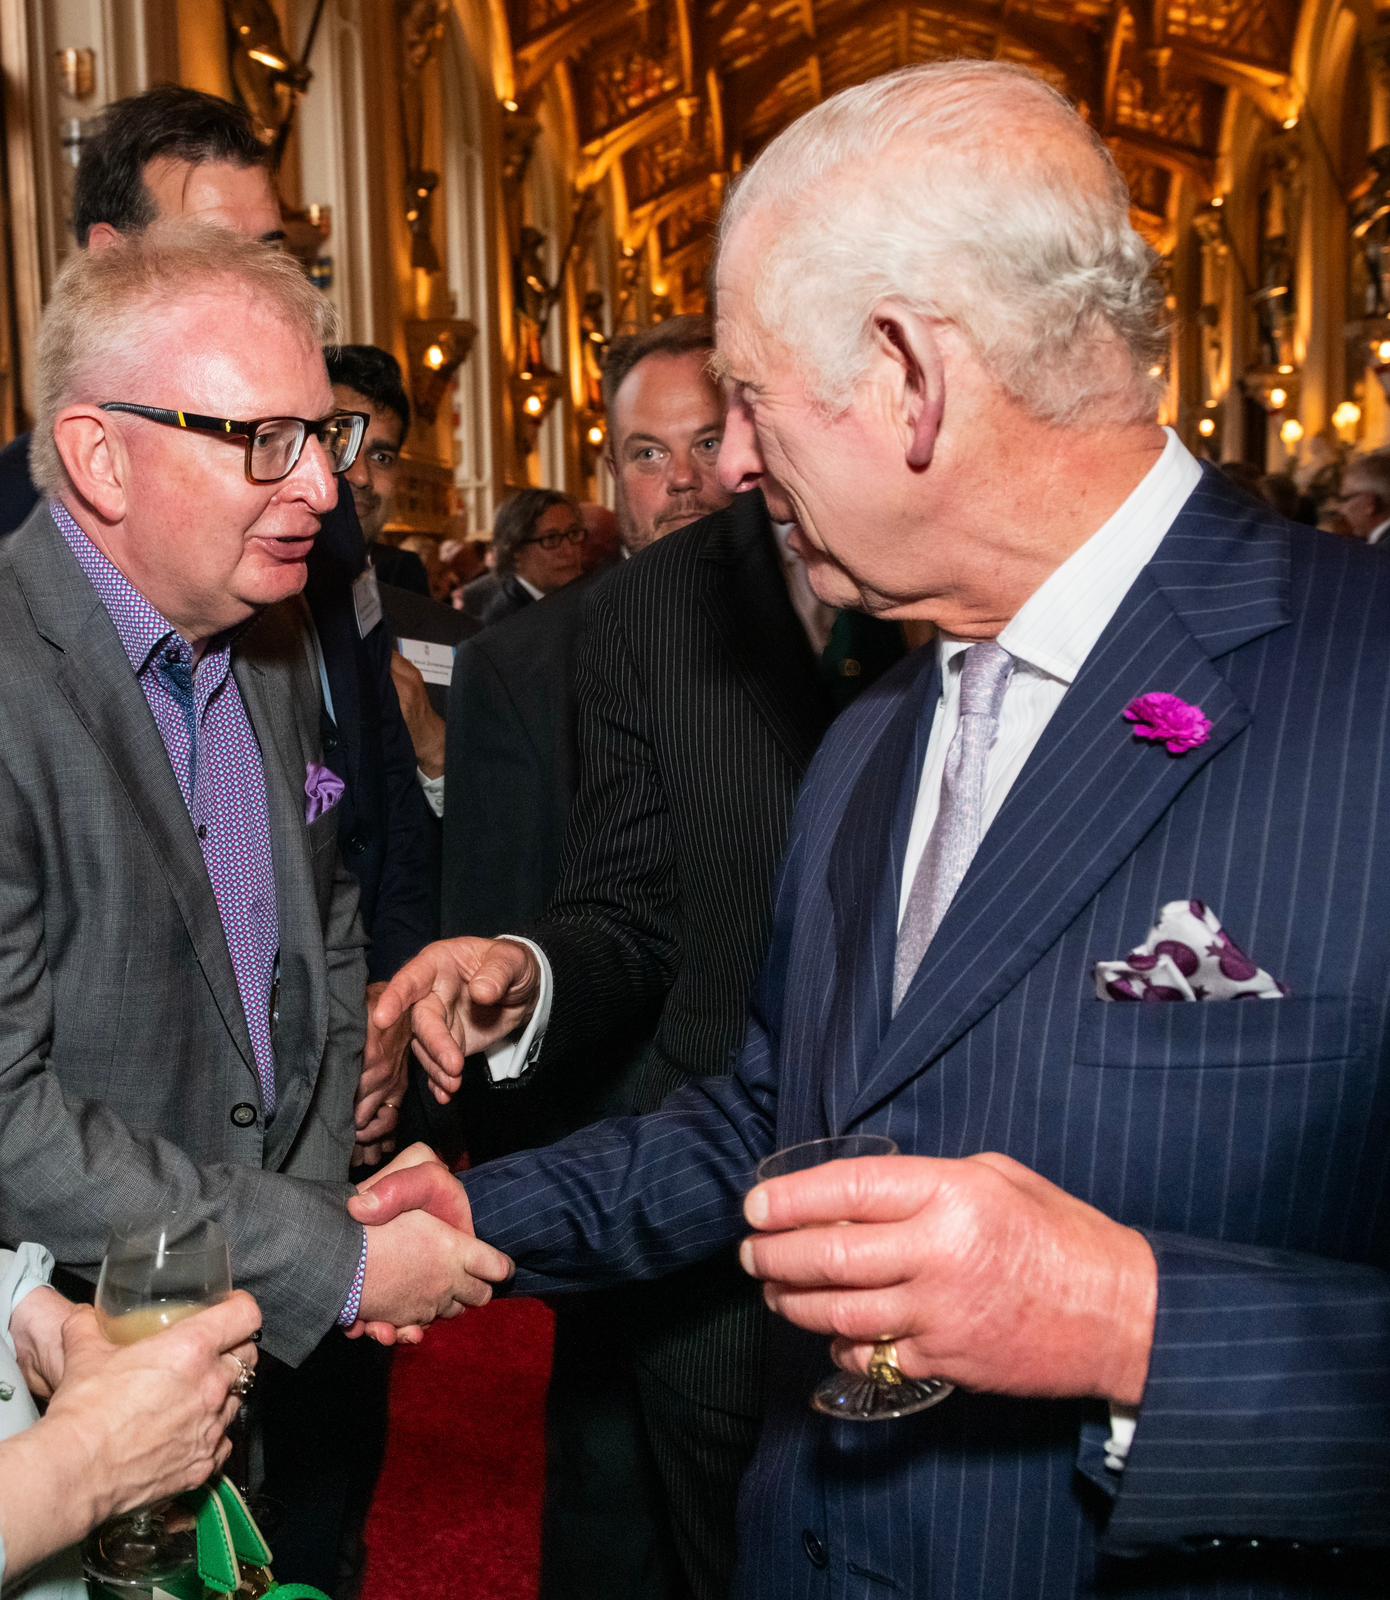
(1090, 791)
(752, 613)
(863, 879)
(265, 662)
(96, 679)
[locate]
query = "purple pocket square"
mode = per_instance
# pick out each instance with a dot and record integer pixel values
(324, 789)
(1187, 956)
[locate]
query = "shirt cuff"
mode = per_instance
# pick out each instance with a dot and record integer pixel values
(516, 1054)
(433, 789)
(353, 1304)
(1123, 1420)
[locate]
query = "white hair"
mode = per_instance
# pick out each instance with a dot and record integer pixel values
(103, 322)
(974, 194)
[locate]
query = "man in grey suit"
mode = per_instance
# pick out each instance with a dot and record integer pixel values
(181, 965)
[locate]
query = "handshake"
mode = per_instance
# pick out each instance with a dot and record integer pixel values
(423, 1260)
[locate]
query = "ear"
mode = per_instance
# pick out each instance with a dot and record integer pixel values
(101, 236)
(909, 340)
(94, 458)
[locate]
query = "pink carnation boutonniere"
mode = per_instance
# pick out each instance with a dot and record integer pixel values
(323, 789)
(1178, 726)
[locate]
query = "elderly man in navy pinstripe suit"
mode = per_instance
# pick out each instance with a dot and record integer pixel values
(1144, 762)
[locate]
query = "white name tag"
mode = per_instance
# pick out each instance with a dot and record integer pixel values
(435, 661)
(366, 601)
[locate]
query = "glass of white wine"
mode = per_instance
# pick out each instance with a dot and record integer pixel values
(885, 1391)
(155, 1273)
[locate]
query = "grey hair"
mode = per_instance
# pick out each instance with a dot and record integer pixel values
(103, 322)
(1369, 474)
(973, 193)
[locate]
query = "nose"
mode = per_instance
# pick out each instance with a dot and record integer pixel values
(314, 479)
(740, 458)
(682, 472)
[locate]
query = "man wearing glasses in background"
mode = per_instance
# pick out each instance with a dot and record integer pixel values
(538, 540)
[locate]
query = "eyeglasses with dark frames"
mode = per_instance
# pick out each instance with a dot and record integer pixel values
(552, 541)
(273, 444)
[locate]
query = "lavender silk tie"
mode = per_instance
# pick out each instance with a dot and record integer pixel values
(959, 822)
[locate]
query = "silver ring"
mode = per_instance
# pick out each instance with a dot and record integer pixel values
(245, 1378)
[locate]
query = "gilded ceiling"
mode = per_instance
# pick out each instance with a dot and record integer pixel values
(677, 94)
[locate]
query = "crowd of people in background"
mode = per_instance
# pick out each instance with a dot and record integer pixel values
(314, 836)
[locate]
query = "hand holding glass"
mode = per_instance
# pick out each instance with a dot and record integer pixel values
(885, 1392)
(153, 1275)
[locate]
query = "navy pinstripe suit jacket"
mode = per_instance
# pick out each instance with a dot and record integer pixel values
(1250, 1141)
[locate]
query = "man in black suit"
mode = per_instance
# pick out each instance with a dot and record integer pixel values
(699, 700)
(512, 773)
(538, 545)
(169, 152)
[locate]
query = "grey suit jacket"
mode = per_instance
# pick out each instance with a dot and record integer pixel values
(127, 1079)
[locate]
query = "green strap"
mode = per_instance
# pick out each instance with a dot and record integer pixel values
(295, 1591)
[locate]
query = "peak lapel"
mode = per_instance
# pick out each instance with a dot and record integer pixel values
(1091, 791)
(863, 877)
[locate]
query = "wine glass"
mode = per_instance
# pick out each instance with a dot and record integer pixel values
(155, 1273)
(885, 1391)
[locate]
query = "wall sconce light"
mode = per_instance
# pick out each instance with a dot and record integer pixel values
(419, 209)
(1278, 399)
(77, 72)
(436, 348)
(1345, 419)
(535, 389)
(1291, 433)
(1207, 427)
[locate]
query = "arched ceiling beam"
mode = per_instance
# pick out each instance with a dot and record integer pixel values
(1055, 45)
(1270, 89)
(649, 123)
(1198, 169)
(656, 210)
(544, 51)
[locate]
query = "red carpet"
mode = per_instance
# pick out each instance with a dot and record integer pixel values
(457, 1512)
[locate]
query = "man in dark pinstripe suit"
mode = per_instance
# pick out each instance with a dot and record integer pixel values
(1148, 1241)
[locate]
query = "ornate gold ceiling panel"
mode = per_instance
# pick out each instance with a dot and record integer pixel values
(685, 91)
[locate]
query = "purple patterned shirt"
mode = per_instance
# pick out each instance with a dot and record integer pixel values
(217, 762)
(215, 757)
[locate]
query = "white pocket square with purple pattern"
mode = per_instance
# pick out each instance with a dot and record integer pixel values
(1187, 956)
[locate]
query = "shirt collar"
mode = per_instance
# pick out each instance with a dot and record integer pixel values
(1058, 625)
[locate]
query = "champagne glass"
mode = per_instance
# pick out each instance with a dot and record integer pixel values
(885, 1391)
(154, 1273)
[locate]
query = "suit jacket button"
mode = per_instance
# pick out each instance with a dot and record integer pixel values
(355, 843)
(243, 1114)
(814, 1549)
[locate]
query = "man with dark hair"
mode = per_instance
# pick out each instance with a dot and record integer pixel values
(177, 152)
(665, 420)
(172, 151)
(676, 700)
(538, 540)
(366, 378)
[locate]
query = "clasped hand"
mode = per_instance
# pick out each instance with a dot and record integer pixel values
(979, 1270)
(424, 1262)
(462, 995)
